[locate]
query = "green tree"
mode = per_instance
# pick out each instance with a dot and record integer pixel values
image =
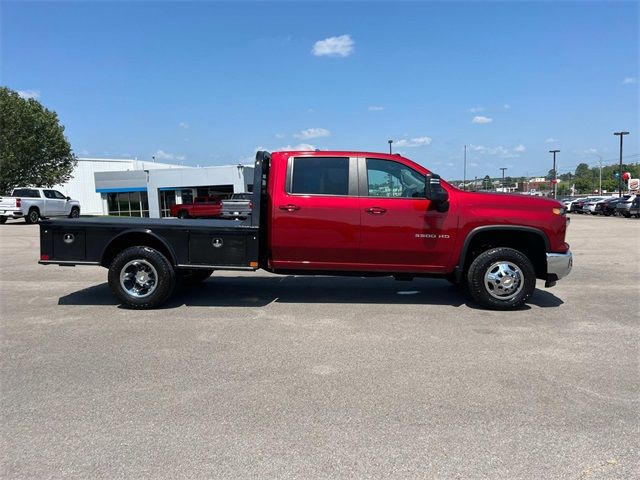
(33, 148)
(583, 170)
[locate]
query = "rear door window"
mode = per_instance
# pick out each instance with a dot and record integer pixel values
(26, 192)
(320, 176)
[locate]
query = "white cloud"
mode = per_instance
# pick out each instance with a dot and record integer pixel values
(84, 152)
(375, 108)
(551, 140)
(299, 147)
(162, 155)
(279, 135)
(472, 164)
(500, 151)
(506, 106)
(341, 46)
(26, 94)
(519, 148)
(312, 133)
(590, 151)
(449, 164)
(183, 125)
(480, 119)
(413, 142)
(476, 109)
(629, 81)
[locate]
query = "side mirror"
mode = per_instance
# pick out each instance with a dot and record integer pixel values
(68, 198)
(436, 193)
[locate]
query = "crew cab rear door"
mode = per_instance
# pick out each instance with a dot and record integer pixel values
(400, 230)
(316, 214)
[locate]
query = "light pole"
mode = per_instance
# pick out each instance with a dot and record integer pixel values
(555, 173)
(621, 134)
(390, 142)
(503, 169)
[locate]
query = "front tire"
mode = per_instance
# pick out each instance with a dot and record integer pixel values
(501, 279)
(141, 278)
(33, 216)
(3, 220)
(75, 212)
(183, 214)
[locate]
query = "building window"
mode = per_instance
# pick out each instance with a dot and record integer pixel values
(167, 200)
(128, 204)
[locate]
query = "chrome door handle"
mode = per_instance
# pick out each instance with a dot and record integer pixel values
(375, 210)
(289, 208)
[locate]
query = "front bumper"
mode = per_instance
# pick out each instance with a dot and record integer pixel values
(558, 266)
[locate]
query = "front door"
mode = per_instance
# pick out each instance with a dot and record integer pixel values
(400, 230)
(55, 203)
(316, 217)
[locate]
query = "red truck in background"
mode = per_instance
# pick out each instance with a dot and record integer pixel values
(334, 213)
(208, 206)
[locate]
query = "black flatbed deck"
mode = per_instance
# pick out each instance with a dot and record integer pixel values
(187, 243)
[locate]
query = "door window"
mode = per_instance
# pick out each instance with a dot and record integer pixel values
(389, 179)
(58, 195)
(49, 194)
(320, 176)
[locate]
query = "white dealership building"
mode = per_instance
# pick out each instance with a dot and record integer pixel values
(126, 187)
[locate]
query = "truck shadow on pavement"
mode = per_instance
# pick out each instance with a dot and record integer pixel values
(245, 291)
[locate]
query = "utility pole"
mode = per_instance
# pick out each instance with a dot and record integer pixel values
(600, 164)
(503, 169)
(621, 134)
(390, 142)
(464, 171)
(555, 174)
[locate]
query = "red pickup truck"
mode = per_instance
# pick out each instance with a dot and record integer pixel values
(337, 213)
(202, 207)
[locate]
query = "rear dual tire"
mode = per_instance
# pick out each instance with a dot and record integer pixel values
(141, 278)
(501, 279)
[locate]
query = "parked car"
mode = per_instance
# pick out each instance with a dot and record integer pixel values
(607, 206)
(634, 210)
(623, 207)
(208, 206)
(575, 206)
(237, 206)
(334, 213)
(33, 203)
(589, 205)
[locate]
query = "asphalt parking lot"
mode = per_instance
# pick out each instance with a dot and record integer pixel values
(262, 376)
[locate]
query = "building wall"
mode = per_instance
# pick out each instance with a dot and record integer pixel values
(196, 177)
(82, 185)
(154, 181)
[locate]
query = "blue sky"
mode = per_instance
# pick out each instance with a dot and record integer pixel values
(208, 82)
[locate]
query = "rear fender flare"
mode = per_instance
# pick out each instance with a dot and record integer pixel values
(146, 232)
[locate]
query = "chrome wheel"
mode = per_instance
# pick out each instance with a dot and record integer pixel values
(34, 216)
(138, 278)
(503, 280)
